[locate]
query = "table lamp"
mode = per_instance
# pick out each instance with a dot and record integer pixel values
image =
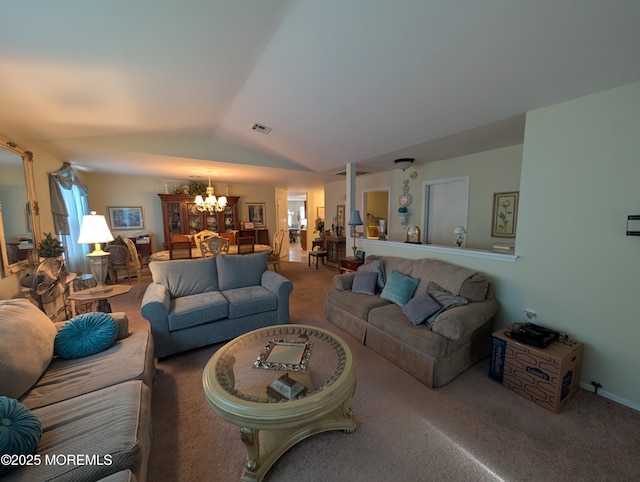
(354, 221)
(459, 232)
(94, 230)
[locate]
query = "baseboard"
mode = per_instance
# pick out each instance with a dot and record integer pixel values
(622, 401)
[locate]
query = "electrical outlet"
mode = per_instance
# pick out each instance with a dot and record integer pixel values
(530, 314)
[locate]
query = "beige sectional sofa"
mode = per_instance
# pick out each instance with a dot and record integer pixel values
(435, 351)
(95, 411)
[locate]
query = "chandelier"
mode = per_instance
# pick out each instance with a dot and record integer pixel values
(211, 203)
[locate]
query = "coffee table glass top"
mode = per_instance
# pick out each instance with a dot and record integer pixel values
(294, 354)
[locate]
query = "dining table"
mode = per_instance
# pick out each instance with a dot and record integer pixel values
(196, 253)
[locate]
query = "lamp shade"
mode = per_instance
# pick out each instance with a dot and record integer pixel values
(355, 219)
(459, 230)
(94, 229)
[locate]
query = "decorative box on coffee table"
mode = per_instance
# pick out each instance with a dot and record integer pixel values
(548, 376)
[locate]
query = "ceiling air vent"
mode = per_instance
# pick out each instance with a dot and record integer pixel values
(261, 128)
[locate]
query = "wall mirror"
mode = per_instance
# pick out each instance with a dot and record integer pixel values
(376, 209)
(19, 212)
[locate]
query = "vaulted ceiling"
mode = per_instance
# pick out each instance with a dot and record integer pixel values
(172, 89)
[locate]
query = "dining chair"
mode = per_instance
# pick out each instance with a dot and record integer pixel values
(141, 270)
(230, 236)
(246, 245)
(180, 250)
(274, 256)
(180, 238)
(119, 259)
(214, 245)
(198, 237)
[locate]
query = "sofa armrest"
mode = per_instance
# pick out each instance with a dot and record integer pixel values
(343, 282)
(121, 320)
(457, 322)
(277, 284)
(156, 303)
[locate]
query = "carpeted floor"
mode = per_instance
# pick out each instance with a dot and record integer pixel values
(471, 429)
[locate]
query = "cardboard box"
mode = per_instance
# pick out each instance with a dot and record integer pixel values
(547, 376)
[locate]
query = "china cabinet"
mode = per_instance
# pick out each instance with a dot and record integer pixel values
(180, 215)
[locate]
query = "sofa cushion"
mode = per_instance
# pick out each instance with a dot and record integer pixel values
(392, 321)
(399, 288)
(240, 271)
(357, 304)
(250, 300)
(111, 425)
(184, 277)
(445, 299)
(26, 345)
(374, 266)
(127, 359)
(20, 430)
(365, 283)
(194, 310)
(420, 308)
(84, 335)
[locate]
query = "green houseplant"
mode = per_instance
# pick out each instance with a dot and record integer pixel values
(50, 247)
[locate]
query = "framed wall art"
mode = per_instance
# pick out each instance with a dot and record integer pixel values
(340, 216)
(505, 214)
(256, 214)
(126, 217)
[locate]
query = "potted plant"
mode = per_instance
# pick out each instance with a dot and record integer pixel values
(50, 247)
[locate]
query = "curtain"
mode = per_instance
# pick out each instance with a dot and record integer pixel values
(69, 203)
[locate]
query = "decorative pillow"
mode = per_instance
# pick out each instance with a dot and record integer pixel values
(241, 271)
(374, 266)
(420, 308)
(26, 345)
(399, 288)
(365, 283)
(184, 277)
(20, 430)
(446, 300)
(85, 335)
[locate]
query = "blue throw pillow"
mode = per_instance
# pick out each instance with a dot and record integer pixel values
(399, 288)
(85, 335)
(420, 308)
(365, 283)
(20, 430)
(374, 266)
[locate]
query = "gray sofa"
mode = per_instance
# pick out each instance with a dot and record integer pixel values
(97, 407)
(196, 302)
(435, 351)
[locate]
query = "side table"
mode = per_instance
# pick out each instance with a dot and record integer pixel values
(350, 265)
(101, 298)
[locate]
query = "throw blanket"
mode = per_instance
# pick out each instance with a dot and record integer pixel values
(448, 276)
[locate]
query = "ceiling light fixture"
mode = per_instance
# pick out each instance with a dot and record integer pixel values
(211, 203)
(404, 163)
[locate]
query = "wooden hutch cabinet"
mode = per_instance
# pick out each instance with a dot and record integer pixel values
(181, 216)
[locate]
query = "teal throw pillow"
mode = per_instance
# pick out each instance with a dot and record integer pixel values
(20, 430)
(420, 308)
(399, 288)
(445, 299)
(365, 283)
(85, 335)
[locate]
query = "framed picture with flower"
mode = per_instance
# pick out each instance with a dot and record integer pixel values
(505, 214)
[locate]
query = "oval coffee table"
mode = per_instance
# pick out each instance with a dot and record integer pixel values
(237, 376)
